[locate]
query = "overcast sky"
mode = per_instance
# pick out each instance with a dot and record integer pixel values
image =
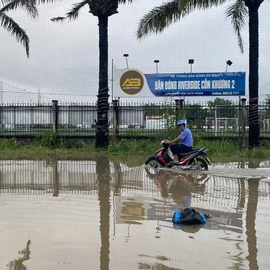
(64, 56)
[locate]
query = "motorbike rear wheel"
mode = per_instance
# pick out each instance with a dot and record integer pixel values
(152, 162)
(199, 161)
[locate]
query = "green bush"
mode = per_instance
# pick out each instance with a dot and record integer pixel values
(8, 144)
(49, 139)
(134, 132)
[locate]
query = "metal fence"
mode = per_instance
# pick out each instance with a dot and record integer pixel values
(144, 120)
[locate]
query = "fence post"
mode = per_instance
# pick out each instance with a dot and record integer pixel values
(115, 118)
(177, 110)
(243, 109)
(55, 115)
(182, 101)
(179, 104)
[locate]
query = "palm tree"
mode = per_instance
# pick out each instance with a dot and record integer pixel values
(102, 9)
(10, 25)
(161, 17)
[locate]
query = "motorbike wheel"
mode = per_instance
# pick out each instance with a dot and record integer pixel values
(199, 161)
(152, 162)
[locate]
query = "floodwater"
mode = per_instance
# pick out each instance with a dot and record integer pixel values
(101, 214)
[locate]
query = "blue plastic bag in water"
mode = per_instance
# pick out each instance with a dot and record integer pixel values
(188, 216)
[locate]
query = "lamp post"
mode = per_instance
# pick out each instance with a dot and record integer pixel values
(228, 63)
(126, 56)
(191, 62)
(156, 61)
(1, 92)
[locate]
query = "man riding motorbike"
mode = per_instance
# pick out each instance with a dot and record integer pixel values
(186, 139)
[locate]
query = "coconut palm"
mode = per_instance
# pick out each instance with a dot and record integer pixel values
(102, 9)
(162, 16)
(10, 25)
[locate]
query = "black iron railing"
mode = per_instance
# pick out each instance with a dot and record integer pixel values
(144, 120)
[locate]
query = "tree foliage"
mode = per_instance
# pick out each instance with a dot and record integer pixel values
(159, 18)
(102, 9)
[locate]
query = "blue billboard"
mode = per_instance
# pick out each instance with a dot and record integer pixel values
(197, 84)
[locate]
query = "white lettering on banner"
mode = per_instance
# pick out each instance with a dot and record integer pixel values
(159, 85)
(171, 85)
(233, 83)
(196, 85)
(206, 84)
(215, 75)
(200, 75)
(221, 84)
(189, 85)
(181, 75)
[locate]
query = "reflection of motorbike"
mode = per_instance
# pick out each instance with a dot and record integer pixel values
(195, 159)
(175, 185)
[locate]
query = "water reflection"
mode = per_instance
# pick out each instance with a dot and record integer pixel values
(178, 186)
(17, 264)
(131, 197)
(103, 179)
(253, 195)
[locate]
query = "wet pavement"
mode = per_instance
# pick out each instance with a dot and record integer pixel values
(101, 214)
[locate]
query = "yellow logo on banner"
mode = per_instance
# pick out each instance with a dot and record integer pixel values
(131, 82)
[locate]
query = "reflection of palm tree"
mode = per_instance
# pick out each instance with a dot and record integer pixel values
(103, 178)
(18, 264)
(253, 195)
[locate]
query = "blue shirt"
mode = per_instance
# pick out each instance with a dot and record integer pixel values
(186, 137)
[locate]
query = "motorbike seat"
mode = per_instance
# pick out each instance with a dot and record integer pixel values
(195, 150)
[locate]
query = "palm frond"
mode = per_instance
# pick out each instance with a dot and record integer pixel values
(238, 13)
(11, 26)
(73, 13)
(189, 6)
(159, 18)
(4, 2)
(125, 1)
(28, 5)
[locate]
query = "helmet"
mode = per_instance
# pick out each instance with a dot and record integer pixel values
(180, 122)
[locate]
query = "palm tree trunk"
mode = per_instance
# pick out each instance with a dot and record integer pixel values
(102, 129)
(254, 128)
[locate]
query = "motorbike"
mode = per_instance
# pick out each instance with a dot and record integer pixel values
(193, 160)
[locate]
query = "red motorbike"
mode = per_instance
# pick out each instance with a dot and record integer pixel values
(192, 160)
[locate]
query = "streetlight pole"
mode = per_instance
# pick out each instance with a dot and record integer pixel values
(1, 92)
(156, 61)
(191, 62)
(126, 56)
(112, 80)
(228, 63)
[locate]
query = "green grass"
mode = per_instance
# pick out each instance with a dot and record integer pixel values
(49, 147)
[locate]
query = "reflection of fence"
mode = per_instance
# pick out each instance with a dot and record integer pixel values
(29, 176)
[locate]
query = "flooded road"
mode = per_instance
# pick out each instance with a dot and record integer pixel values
(101, 214)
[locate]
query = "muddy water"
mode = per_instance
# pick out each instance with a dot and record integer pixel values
(107, 215)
